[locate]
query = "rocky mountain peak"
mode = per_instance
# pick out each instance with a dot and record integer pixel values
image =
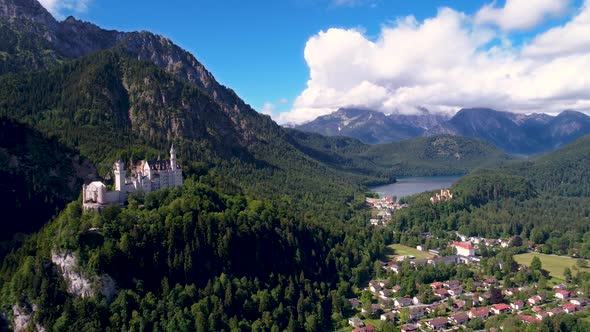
(30, 10)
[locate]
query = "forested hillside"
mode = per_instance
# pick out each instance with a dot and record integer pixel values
(544, 200)
(38, 177)
(191, 258)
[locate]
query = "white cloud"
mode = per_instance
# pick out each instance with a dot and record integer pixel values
(445, 63)
(268, 108)
(283, 101)
(59, 8)
(520, 14)
(571, 38)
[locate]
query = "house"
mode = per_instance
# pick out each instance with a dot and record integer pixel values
(541, 314)
(455, 291)
(511, 291)
(368, 328)
(355, 322)
(452, 284)
(578, 301)
(436, 285)
(403, 302)
(392, 266)
(459, 318)
(560, 286)
(354, 302)
(562, 294)
(385, 293)
(500, 308)
(375, 308)
(464, 248)
(409, 328)
(517, 305)
(416, 300)
(417, 313)
(527, 319)
(396, 288)
(374, 288)
(556, 311)
(441, 293)
(569, 308)
(535, 300)
(421, 248)
(479, 313)
(489, 282)
(390, 316)
(437, 324)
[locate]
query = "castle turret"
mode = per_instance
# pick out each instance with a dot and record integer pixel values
(120, 175)
(172, 157)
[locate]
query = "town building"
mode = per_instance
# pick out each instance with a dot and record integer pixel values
(464, 248)
(148, 176)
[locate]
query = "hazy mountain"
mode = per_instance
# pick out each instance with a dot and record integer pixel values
(372, 127)
(517, 133)
(513, 133)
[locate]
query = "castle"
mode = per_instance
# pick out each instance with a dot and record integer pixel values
(445, 195)
(150, 175)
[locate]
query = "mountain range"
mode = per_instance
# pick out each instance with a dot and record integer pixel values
(104, 95)
(513, 133)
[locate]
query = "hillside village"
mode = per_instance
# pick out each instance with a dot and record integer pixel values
(413, 294)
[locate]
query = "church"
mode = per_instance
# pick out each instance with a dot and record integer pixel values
(149, 175)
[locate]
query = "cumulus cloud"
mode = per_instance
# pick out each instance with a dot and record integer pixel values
(444, 63)
(59, 8)
(520, 14)
(571, 38)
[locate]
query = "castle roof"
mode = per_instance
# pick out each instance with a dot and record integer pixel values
(160, 165)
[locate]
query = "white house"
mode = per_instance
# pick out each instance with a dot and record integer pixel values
(464, 248)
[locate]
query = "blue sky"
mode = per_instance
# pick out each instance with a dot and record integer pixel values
(257, 47)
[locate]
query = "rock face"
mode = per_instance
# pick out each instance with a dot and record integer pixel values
(78, 284)
(23, 318)
(368, 126)
(73, 38)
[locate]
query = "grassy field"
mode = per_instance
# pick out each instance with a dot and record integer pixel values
(554, 264)
(401, 250)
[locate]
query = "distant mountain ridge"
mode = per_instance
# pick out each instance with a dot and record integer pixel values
(373, 127)
(513, 133)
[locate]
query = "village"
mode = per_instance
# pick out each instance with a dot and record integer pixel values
(453, 304)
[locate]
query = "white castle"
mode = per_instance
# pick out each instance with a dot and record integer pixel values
(150, 175)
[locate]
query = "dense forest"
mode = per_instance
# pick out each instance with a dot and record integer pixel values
(524, 198)
(221, 262)
(269, 231)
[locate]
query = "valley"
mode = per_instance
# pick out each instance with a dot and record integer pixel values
(261, 227)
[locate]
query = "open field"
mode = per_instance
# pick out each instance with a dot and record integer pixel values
(554, 264)
(401, 250)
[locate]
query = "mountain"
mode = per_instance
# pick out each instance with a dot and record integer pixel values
(513, 133)
(34, 184)
(267, 233)
(372, 127)
(517, 133)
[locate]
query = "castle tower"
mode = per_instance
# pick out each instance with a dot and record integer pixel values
(172, 157)
(120, 175)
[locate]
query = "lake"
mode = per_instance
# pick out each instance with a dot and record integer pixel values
(408, 186)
